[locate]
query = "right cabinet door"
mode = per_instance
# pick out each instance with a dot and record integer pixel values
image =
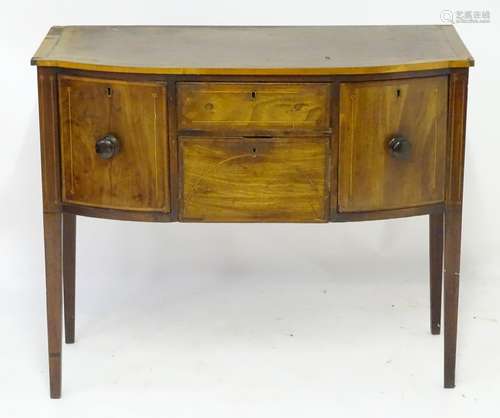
(392, 143)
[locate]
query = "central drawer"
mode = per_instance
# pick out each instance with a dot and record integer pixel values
(244, 180)
(252, 108)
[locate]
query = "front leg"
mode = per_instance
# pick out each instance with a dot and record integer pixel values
(436, 225)
(69, 241)
(53, 275)
(52, 220)
(453, 219)
(453, 228)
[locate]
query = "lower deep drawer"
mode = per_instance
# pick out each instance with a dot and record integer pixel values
(258, 179)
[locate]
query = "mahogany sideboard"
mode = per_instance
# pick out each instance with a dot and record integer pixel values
(251, 124)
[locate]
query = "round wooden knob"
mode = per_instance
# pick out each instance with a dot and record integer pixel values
(400, 148)
(107, 147)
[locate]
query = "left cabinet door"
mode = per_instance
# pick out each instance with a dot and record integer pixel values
(114, 143)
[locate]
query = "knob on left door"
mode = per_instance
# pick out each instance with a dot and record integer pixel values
(107, 146)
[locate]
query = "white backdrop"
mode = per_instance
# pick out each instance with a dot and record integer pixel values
(232, 320)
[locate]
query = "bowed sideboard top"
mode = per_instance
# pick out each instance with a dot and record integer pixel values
(265, 50)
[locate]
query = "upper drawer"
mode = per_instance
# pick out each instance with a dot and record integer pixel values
(254, 107)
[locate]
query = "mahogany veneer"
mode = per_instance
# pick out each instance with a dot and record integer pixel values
(251, 124)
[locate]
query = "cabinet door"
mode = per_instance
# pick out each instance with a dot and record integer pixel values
(392, 143)
(260, 179)
(136, 176)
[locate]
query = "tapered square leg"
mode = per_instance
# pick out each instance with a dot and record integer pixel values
(453, 219)
(436, 226)
(453, 226)
(69, 244)
(53, 262)
(52, 219)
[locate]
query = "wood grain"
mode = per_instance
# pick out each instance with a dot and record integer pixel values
(135, 112)
(453, 219)
(118, 214)
(49, 139)
(52, 220)
(371, 113)
(231, 50)
(251, 124)
(375, 215)
(52, 225)
(253, 107)
(436, 235)
(69, 258)
(244, 180)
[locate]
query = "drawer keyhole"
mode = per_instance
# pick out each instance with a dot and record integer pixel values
(108, 91)
(254, 95)
(398, 92)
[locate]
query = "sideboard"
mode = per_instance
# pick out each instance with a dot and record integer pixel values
(251, 124)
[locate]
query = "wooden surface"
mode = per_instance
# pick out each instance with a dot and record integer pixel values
(253, 107)
(52, 226)
(253, 50)
(436, 236)
(49, 139)
(254, 179)
(310, 145)
(52, 221)
(453, 219)
(69, 254)
(134, 179)
(370, 178)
